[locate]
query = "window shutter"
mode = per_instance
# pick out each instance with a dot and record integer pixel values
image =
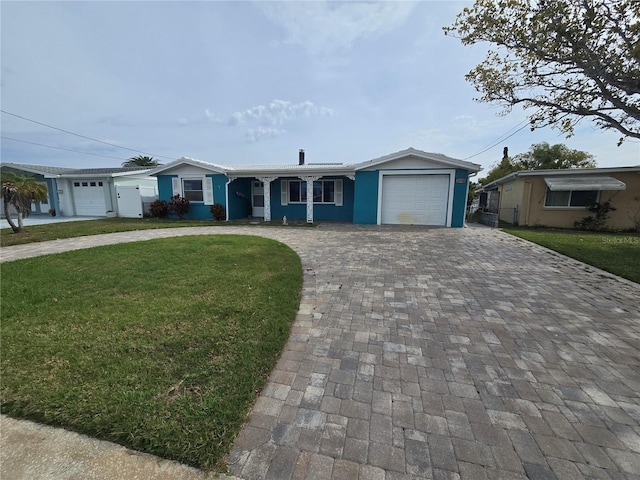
(283, 192)
(337, 193)
(175, 186)
(207, 193)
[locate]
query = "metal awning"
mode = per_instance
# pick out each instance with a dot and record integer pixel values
(584, 183)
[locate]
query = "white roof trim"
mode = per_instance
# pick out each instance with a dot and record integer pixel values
(189, 161)
(584, 183)
(434, 157)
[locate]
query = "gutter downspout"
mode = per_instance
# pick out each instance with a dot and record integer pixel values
(226, 197)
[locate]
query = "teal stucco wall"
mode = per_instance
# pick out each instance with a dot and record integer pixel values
(459, 198)
(196, 210)
(365, 201)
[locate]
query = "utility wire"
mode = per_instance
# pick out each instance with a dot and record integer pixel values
(81, 136)
(501, 139)
(59, 148)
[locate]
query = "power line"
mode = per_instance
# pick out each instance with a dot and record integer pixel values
(59, 148)
(501, 139)
(81, 136)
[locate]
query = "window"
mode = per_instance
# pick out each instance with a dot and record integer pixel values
(570, 198)
(297, 191)
(193, 190)
(323, 191)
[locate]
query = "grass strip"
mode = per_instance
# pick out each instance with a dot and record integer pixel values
(54, 231)
(161, 346)
(613, 252)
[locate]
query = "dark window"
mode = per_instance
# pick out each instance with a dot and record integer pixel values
(570, 198)
(193, 190)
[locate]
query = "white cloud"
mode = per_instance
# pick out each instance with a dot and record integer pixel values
(253, 135)
(323, 27)
(279, 112)
(264, 120)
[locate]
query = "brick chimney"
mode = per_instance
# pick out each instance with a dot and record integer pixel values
(301, 157)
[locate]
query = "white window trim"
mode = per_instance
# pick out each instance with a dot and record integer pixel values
(177, 186)
(567, 207)
(337, 192)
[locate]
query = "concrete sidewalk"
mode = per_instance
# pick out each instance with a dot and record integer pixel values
(424, 353)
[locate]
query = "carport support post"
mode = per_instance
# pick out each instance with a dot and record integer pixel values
(309, 181)
(266, 181)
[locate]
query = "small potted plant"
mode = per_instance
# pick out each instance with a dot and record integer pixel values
(52, 212)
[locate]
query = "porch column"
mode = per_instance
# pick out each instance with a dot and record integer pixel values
(266, 181)
(310, 181)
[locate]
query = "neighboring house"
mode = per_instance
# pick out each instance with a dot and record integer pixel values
(91, 192)
(559, 198)
(407, 187)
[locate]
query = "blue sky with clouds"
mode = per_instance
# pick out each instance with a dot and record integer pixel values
(251, 83)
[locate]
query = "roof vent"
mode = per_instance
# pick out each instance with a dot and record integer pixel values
(301, 157)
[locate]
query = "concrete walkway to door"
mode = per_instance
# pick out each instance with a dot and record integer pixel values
(424, 353)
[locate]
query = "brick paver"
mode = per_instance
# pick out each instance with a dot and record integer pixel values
(462, 354)
(423, 353)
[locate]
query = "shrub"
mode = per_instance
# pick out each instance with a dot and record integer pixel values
(159, 209)
(595, 222)
(179, 206)
(218, 212)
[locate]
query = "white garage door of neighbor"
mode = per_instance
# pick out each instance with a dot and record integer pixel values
(88, 196)
(415, 199)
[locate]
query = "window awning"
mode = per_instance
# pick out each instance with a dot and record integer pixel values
(584, 183)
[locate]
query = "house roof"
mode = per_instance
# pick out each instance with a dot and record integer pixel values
(314, 168)
(37, 169)
(434, 157)
(215, 168)
(56, 172)
(569, 172)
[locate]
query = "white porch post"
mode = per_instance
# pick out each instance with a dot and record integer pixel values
(309, 181)
(266, 181)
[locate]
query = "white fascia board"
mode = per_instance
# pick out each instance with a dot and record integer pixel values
(212, 167)
(432, 157)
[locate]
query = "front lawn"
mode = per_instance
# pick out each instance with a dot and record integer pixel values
(612, 252)
(161, 346)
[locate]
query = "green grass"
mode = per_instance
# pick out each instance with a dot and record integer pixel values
(161, 346)
(54, 231)
(613, 252)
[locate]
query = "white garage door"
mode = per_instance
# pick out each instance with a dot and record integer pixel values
(88, 196)
(415, 199)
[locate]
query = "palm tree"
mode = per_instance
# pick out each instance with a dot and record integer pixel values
(141, 161)
(20, 191)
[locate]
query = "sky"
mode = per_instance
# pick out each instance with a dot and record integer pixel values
(251, 83)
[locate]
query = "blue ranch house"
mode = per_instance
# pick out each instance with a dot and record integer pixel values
(408, 187)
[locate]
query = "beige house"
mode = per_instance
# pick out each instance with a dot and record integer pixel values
(558, 198)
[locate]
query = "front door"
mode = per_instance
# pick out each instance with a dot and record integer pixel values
(257, 199)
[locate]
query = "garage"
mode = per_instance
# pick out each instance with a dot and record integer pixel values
(89, 198)
(415, 199)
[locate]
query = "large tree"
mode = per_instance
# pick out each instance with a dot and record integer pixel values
(565, 59)
(543, 156)
(20, 191)
(141, 161)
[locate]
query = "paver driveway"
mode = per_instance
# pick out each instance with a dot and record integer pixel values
(443, 353)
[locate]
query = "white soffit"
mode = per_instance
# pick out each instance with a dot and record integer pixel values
(584, 183)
